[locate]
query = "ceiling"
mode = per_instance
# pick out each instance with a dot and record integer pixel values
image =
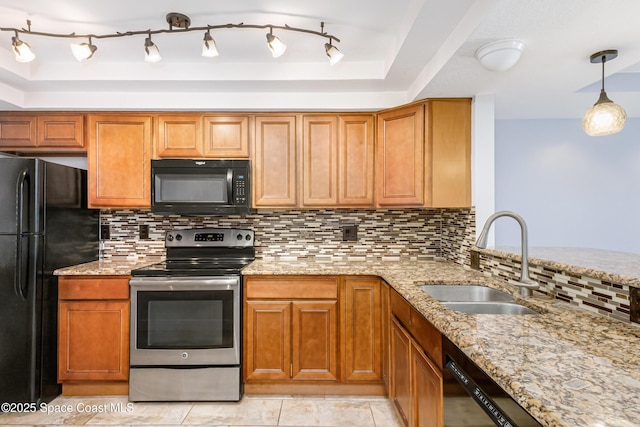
(395, 52)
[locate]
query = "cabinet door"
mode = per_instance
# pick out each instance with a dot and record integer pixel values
(400, 158)
(93, 340)
(226, 136)
(428, 402)
(361, 330)
(274, 162)
(355, 161)
(118, 161)
(179, 136)
(319, 160)
(315, 340)
(267, 340)
(18, 131)
(449, 153)
(64, 132)
(400, 381)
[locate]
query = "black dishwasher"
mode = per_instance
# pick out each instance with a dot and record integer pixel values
(472, 398)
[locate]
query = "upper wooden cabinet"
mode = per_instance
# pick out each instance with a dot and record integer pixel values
(320, 160)
(274, 162)
(448, 153)
(202, 136)
(118, 161)
(355, 160)
(42, 132)
(400, 157)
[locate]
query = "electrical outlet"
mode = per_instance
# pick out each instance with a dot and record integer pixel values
(105, 232)
(475, 260)
(144, 232)
(349, 233)
(634, 304)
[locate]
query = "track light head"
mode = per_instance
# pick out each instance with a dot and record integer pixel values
(333, 53)
(152, 53)
(83, 50)
(209, 48)
(276, 46)
(22, 50)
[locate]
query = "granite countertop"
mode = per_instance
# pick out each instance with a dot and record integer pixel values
(566, 366)
(110, 267)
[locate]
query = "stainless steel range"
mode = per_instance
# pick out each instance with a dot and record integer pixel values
(186, 318)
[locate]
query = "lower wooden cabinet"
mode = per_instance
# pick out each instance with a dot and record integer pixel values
(416, 387)
(312, 335)
(93, 335)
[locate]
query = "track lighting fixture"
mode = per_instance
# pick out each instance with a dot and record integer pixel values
(605, 117)
(209, 49)
(22, 50)
(178, 23)
(83, 50)
(151, 51)
(275, 45)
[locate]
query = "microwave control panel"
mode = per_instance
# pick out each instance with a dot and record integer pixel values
(240, 189)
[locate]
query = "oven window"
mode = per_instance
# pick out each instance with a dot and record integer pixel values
(195, 188)
(185, 319)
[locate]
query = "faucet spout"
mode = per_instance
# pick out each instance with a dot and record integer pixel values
(526, 285)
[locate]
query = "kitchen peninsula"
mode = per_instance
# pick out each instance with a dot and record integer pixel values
(548, 362)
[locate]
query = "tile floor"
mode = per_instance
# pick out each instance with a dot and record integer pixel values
(334, 411)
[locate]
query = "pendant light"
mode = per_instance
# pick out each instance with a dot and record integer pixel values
(605, 117)
(151, 51)
(209, 49)
(83, 51)
(275, 45)
(333, 53)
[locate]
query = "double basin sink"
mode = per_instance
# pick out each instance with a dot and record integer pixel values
(475, 299)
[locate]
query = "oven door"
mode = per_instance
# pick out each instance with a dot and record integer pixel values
(185, 321)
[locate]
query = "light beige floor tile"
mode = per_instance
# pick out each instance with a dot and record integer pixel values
(145, 414)
(326, 413)
(247, 412)
(383, 413)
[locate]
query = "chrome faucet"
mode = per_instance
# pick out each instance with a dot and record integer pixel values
(526, 285)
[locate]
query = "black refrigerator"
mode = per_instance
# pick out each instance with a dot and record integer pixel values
(44, 225)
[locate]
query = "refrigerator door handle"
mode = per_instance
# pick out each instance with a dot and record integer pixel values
(20, 287)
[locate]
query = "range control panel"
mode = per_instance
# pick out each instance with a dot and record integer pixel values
(209, 237)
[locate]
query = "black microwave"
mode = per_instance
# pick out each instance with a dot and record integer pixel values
(200, 187)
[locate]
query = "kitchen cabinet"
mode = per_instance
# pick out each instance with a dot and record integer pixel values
(337, 160)
(118, 160)
(42, 132)
(291, 329)
(400, 157)
(202, 136)
(448, 153)
(361, 326)
(416, 386)
(93, 334)
(275, 162)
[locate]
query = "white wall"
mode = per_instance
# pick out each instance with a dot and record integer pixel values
(573, 190)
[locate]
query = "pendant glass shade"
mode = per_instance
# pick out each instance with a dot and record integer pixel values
(152, 53)
(333, 53)
(83, 50)
(604, 118)
(276, 46)
(209, 48)
(22, 50)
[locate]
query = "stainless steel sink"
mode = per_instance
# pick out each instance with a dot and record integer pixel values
(465, 293)
(489, 307)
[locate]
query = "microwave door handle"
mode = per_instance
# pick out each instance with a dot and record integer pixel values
(230, 186)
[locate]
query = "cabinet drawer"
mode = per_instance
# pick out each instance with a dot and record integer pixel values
(292, 288)
(428, 336)
(94, 287)
(400, 308)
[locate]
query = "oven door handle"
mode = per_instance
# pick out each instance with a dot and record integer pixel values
(496, 414)
(184, 283)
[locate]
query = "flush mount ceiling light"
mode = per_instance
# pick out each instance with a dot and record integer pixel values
(178, 23)
(500, 55)
(605, 117)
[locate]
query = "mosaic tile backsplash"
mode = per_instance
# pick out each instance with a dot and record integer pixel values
(391, 234)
